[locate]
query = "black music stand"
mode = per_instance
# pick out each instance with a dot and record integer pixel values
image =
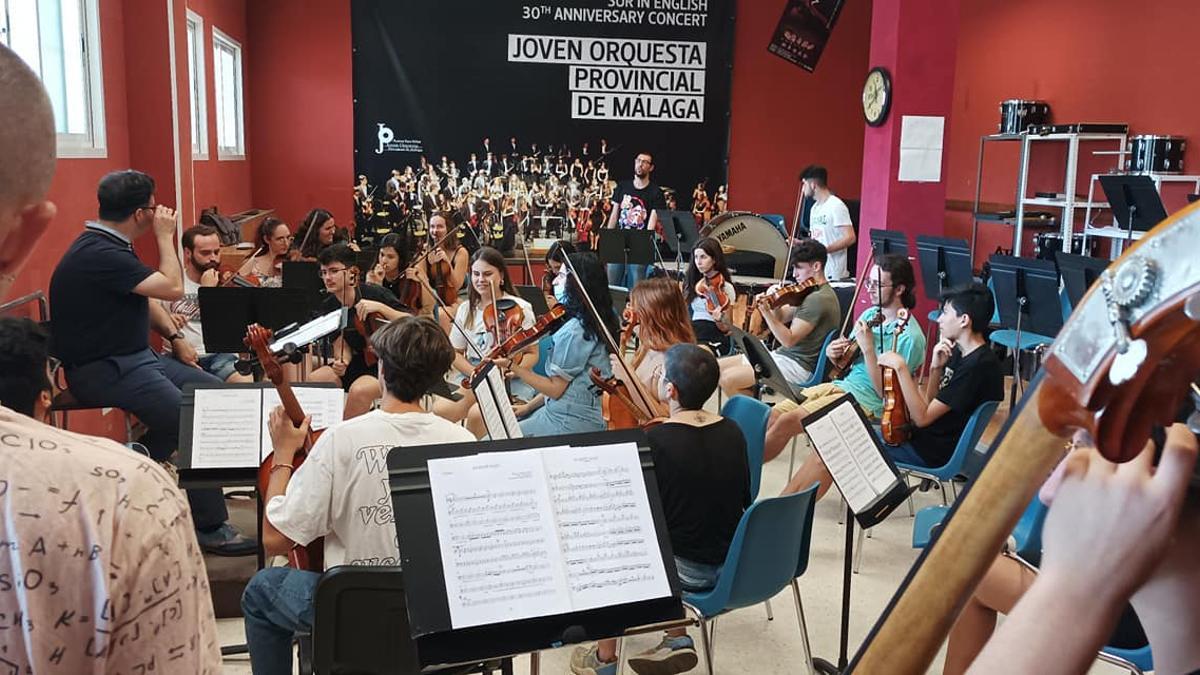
(366, 259)
(225, 313)
(1078, 273)
(626, 247)
(305, 274)
(679, 231)
(1134, 201)
(889, 241)
(1026, 291)
(765, 369)
(534, 296)
(945, 264)
(872, 514)
(428, 611)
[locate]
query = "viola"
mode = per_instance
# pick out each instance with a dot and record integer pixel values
(896, 426)
(312, 556)
(712, 289)
(367, 327)
(503, 317)
(839, 365)
(1121, 365)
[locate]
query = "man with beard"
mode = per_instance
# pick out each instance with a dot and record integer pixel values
(634, 204)
(201, 258)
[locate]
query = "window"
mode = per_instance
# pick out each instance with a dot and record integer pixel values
(227, 74)
(60, 40)
(197, 85)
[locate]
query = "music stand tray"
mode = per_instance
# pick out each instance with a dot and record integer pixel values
(945, 264)
(1134, 201)
(765, 369)
(1027, 292)
(1078, 273)
(679, 230)
(429, 614)
(226, 311)
(889, 241)
(626, 247)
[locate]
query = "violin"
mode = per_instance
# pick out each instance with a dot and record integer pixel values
(312, 556)
(712, 289)
(896, 424)
(502, 318)
(1121, 365)
(229, 278)
(439, 279)
(791, 294)
(521, 339)
(839, 365)
(366, 327)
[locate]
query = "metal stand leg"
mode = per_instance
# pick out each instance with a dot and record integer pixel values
(535, 662)
(858, 554)
(767, 604)
(808, 661)
(620, 655)
(792, 462)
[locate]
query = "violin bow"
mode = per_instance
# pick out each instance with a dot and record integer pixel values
(643, 399)
(795, 229)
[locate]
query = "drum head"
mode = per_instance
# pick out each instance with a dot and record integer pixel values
(746, 231)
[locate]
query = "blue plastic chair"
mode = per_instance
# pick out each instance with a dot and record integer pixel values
(751, 416)
(966, 443)
(544, 345)
(818, 374)
(769, 549)
(1136, 661)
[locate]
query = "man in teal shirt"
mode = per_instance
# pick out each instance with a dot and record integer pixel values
(891, 285)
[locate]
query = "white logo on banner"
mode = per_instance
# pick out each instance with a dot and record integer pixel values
(385, 136)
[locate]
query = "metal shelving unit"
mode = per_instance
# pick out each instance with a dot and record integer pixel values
(1068, 204)
(1116, 234)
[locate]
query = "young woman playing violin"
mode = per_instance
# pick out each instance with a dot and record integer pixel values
(480, 324)
(799, 328)
(354, 365)
(316, 231)
(446, 265)
(272, 240)
(660, 321)
(566, 402)
(709, 293)
(388, 273)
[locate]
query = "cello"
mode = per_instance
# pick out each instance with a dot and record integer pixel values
(312, 556)
(896, 426)
(1122, 364)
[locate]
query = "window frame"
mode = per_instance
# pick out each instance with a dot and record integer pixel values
(221, 40)
(94, 142)
(198, 85)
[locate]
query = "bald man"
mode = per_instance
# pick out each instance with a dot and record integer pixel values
(100, 571)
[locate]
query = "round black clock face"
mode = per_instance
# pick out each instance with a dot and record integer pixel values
(877, 96)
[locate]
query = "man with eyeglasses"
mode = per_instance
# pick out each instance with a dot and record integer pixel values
(892, 286)
(201, 258)
(634, 207)
(101, 321)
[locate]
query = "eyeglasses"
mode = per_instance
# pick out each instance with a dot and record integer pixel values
(875, 285)
(334, 272)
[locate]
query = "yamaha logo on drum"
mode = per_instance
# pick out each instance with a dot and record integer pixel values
(736, 228)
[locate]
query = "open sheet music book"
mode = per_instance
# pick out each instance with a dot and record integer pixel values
(545, 531)
(229, 424)
(491, 394)
(851, 451)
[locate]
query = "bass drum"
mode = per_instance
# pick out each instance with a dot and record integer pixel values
(746, 231)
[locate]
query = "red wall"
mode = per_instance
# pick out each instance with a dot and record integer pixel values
(300, 91)
(1094, 61)
(785, 118)
(223, 183)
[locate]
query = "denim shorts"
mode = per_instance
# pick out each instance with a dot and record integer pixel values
(694, 576)
(220, 365)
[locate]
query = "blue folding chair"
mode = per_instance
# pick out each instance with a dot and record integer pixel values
(751, 416)
(818, 374)
(1136, 661)
(544, 345)
(942, 474)
(769, 549)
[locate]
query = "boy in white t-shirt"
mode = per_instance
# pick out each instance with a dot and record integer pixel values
(341, 491)
(829, 221)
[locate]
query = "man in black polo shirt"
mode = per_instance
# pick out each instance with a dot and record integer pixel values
(100, 331)
(633, 208)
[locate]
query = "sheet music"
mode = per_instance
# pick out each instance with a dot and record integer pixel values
(852, 456)
(498, 416)
(226, 428)
(500, 551)
(325, 404)
(609, 542)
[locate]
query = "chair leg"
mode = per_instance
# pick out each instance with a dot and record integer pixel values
(911, 513)
(792, 461)
(953, 490)
(620, 655)
(808, 664)
(942, 489)
(705, 646)
(858, 553)
(767, 605)
(712, 634)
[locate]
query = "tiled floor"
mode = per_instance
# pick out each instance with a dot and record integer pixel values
(746, 642)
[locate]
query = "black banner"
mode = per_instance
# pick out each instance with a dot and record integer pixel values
(573, 82)
(803, 31)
